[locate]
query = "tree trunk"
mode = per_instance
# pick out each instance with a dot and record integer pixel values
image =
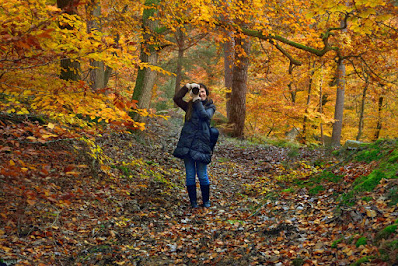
(379, 118)
(239, 87)
(146, 77)
(339, 106)
(70, 69)
(108, 70)
(181, 49)
(293, 93)
(145, 81)
(362, 111)
(312, 70)
(228, 71)
(229, 47)
(97, 72)
(321, 111)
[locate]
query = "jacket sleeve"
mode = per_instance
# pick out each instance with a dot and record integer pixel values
(178, 98)
(204, 114)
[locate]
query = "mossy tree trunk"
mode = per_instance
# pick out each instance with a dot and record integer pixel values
(146, 77)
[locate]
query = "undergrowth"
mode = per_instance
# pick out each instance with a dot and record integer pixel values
(385, 154)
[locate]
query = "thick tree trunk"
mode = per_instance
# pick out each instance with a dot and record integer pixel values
(68, 6)
(70, 69)
(97, 72)
(239, 87)
(146, 77)
(145, 81)
(339, 106)
(229, 52)
(97, 75)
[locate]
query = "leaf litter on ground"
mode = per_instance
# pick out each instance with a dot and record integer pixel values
(128, 205)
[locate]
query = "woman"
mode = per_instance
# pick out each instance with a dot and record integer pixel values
(194, 145)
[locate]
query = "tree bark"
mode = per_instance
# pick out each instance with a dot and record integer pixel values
(145, 81)
(379, 118)
(181, 49)
(293, 93)
(228, 71)
(362, 111)
(145, 76)
(321, 111)
(309, 91)
(229, 47)
(339, 106)
(97, 71)
(239, 87)
(70, 69)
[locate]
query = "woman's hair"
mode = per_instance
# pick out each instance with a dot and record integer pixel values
(204, 87)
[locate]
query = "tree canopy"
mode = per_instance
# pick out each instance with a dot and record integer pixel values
(294, 45)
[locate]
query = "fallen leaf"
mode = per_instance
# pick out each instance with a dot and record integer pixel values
(371, 213)
(6, 249)
(31, 202)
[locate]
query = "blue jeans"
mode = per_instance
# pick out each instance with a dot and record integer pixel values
(194, 168)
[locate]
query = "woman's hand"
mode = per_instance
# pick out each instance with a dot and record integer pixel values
(190, 87)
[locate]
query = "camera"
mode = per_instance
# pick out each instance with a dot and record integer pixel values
(195, 90)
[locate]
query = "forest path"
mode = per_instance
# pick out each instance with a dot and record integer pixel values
(129, 205)
(251, 220)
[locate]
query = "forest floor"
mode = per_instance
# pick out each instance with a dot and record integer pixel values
(122, 201)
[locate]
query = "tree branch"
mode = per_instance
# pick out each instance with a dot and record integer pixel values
(285, 53)
(284, 40)
(319, 52)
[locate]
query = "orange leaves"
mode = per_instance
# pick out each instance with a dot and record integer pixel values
(46, 34)
(121, 102)
(31, 55)
(23, 36)
(5, 249)
(137, 214)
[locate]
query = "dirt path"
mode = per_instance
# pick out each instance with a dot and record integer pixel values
(252, 221)
(138, 212)
(248, 223)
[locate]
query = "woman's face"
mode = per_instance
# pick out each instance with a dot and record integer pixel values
(202, 94)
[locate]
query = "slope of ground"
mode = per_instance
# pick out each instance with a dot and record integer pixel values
(121, 200)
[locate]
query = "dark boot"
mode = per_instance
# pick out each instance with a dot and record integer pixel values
(192, 195)
(205, 195)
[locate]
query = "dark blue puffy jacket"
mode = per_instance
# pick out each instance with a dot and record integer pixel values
(195, 136)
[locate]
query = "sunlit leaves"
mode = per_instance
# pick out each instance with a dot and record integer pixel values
(371, 3)
(38, 44)
(32, 48)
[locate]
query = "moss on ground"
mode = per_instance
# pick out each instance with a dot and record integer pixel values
(361, 241)
(385, 153)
